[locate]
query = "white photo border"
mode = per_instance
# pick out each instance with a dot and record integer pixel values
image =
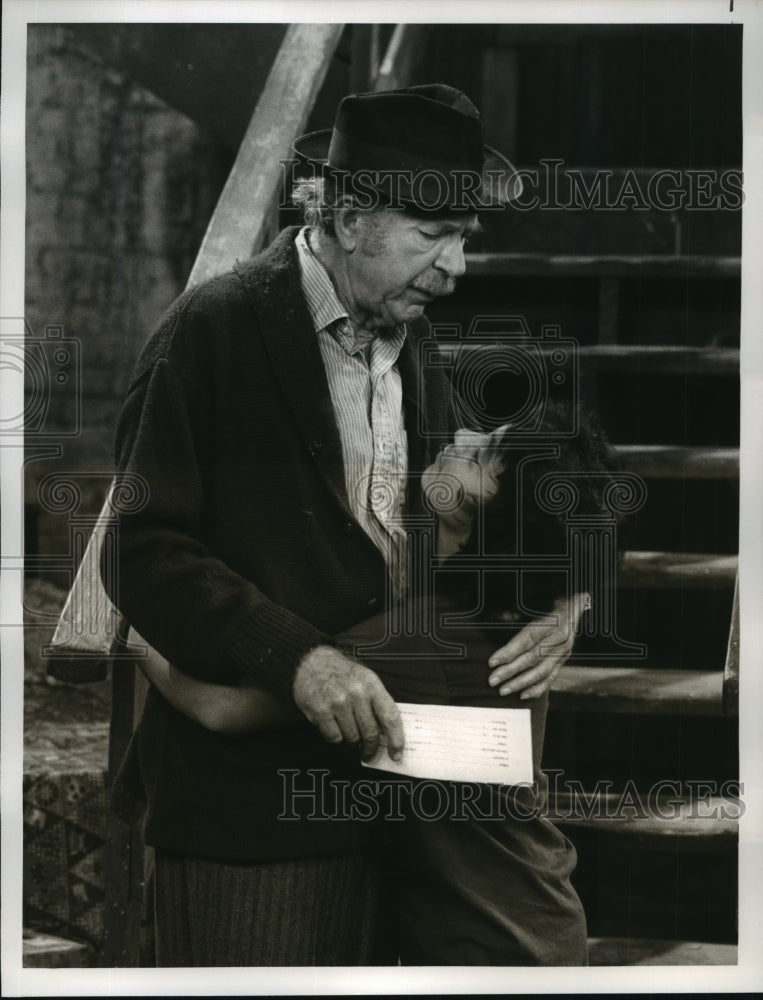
(747, 976)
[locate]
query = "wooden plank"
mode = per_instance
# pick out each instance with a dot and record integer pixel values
(651, 359)
(660, 359)
(365, 56)
(690, 818)
(694, 570)
(657, 461)
(401, 56)
(499, 265)
(731, 667)
(85, 635)
(638, 690)
(644, 951)
(45, 951)
(256, 179)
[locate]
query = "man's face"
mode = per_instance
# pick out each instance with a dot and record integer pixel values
(401, 263)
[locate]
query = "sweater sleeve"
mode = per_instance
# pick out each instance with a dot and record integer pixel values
(184, 600)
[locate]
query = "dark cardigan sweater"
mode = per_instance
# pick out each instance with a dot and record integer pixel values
(246, 554)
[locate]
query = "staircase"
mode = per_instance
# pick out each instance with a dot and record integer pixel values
(651, 808)
(653, 305)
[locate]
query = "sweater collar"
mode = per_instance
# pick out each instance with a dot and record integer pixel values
(272, 282)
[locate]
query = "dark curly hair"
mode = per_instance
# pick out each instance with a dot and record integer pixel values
(516, 520)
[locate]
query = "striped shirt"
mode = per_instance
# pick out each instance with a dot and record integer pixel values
(367, 397)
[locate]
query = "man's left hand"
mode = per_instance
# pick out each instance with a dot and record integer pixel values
(533, 658)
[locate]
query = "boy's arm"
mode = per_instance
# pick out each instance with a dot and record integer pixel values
(218, 707)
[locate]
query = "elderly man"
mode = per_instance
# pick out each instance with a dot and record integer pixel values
(279, 415)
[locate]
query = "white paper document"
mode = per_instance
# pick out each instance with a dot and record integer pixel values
(451, 743)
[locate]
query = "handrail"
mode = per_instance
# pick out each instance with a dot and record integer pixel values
(731, 667)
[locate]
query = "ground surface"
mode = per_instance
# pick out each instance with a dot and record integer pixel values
(65, 725)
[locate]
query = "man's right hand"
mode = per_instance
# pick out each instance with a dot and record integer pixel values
(347, 701)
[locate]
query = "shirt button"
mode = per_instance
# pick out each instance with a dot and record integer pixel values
(349, 528)
(373, 603)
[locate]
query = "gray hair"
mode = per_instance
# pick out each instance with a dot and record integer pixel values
(319, 197)
(315, 197)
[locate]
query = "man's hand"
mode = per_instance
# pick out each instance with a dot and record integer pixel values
(521, 665)
(347, 701)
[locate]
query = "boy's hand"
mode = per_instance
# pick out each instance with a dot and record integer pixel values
(531, 660)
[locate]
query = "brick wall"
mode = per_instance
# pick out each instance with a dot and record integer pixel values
(120, 188)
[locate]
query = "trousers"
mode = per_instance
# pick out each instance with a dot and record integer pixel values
(313, 911)
(492, 891)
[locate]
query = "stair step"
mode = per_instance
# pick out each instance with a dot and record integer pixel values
(638, 690)
(646, 951)
(660, 359)
(659, 461)
(635, 359)
(700, 820)
(701, 571)
(44, 951)
(602, 265)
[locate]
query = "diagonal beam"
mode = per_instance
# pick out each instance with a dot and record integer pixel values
(731, 668)
(401, 57)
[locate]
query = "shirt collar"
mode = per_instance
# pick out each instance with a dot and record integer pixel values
(322, 300)
(324, 305)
